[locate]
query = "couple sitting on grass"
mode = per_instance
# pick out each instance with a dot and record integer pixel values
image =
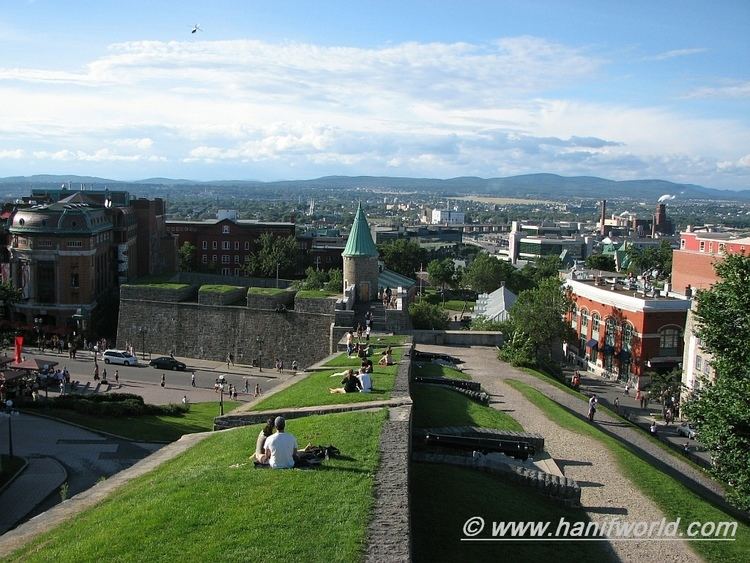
(353, 383)
(277, 450)
(386, 357)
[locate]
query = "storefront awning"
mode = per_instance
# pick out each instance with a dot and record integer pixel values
(593, 343)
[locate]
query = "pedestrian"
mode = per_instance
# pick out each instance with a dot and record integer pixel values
(247, 386)
(234, 393)
(62, 388)
(184, 400)
(627, 388)
(192, 380)
(117, 377)
(257, 390)
(96, 373)
(295, 366)
(653, 428)
(163, 380)
(592, 407)
(104, 375)
(229, 359)
(617, 405)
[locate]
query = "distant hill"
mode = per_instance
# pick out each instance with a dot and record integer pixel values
(549, 186)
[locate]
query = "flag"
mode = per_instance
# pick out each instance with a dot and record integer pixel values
(19, 349)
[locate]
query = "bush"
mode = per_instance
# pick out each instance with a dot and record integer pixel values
(111, 405)
(427, 316)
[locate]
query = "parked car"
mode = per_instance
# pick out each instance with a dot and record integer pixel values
(167, 362)
(119, 357)
(688, 430)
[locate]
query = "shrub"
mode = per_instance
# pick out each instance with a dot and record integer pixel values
(427, 316)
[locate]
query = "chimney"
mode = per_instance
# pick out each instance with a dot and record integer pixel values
(603, 216)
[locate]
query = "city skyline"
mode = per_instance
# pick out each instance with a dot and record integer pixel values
(293, 91)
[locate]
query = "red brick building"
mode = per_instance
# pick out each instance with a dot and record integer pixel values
(625, 330)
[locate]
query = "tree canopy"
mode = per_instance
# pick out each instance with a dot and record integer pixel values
(271, 252)
(402, 255)
(651, 258)
(441, 272)
(721, 408)
(185, 256)
(427, 316)
(604, 262)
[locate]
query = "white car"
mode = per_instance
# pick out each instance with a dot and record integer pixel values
(688, 430)
(119, 357)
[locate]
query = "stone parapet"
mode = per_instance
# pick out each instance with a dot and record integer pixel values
(156, 293)
(286, 299)
(221, 297)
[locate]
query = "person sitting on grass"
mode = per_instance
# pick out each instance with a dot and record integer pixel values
(388, 350)
(351, 384)
(260, 443)
(281, 448)
(367, 365)
(365, 381)
(387, 358)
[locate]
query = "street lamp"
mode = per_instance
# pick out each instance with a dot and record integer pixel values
(10, 413)
(259, 342)
(221, 399)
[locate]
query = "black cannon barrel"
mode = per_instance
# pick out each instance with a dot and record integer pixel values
(514, 448)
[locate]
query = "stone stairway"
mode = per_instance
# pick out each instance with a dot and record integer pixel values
(378, 315)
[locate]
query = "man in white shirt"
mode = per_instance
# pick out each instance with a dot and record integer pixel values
(365, 380)
(281, 448)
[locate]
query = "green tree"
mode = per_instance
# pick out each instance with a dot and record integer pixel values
(185, 256)
(721, 408)
(273, 252)
(426, 316)
(486, 273)
(335, 280)
(481, 322)
(9, 296)
(402, 256)
(441, 272)
(604, 262)
(651, 258)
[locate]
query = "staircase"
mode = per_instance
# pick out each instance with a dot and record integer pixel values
(378, 315)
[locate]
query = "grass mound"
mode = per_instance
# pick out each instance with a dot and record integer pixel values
(209, 504)
(434, 406)
(266, 291)
(422, 369)
(674, 499)
(214, 288)
(457, 494)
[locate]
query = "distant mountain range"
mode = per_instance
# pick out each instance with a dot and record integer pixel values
(549, 186)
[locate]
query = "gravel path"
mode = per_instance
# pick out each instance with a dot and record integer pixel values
(606, 492)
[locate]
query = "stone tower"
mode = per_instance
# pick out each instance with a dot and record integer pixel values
(361, 259)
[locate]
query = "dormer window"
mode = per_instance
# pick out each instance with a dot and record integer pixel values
(225, 230)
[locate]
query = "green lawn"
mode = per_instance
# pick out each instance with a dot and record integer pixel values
(148, 428)
(445, 497)
(422, 369)
(432, 296)
(350, 361)
(434, 406)
(313, 390)
(164, 285)
(267, 291)
(669, 494)
(316, 294)
(210, 504)
(209, 288)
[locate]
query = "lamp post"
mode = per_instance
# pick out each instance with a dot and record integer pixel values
(277, 275)
(221, 399)
(259, 342)
(10, 413)
(143, 331)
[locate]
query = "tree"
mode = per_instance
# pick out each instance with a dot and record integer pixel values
(481, 322)
(185, 256)
(402, 256)
(601, 262)
(330, 280)
(651, 258)
(273, 254)
(427, 316)
(721, 409)
(486, 273)
(441, 272)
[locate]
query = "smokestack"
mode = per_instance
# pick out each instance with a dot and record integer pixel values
(603, 217)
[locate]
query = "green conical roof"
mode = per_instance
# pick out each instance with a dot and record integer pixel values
(360, 241)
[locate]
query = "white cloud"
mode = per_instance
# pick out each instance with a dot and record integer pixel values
(141, 144)
(736, 90)
(100, 155)
(14, 154)
(673, 54)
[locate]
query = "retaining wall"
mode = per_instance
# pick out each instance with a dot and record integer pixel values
(458, 337)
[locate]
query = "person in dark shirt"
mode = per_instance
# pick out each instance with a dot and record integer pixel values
(350, 384)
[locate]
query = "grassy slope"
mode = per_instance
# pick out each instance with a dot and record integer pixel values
(202, 507)
(465, 493)
(437, 370)
(668, 493)
(149, 427)
(434, 406)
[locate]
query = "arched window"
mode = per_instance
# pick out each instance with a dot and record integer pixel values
(611, 331)
(669, 341)
(573, 316)
(584, 320)
(627, 336)
(595, 322)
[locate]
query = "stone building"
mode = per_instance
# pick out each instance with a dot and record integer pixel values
(361, 260)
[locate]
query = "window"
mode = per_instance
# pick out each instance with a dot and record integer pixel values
(703, 246)
(214, 245)
(698, 363)
(225, 258)
(236, 271)
(44, 244)
(236, 245)
(226, 271)
(584, 320)
(573, 317)
(627, 336)
(74, 280)
(236, 258)
(611, 331)
(204, 259)
(204, 245)
(214, 258)
(595, 321)
(247, 258)
(706, 368)
(247, 245)
(225, 230)
(682, 243)
(75, 244)
(721, 247)
(669, 341)
(225, 245)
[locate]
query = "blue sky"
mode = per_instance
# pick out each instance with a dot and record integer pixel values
(283, 90)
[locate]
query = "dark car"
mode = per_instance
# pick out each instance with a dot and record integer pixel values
(165, 362)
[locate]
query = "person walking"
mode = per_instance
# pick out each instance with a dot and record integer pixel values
(117, 377)
(247, 386)
(257, 390)
(192, 380)
(592, 407)
(163, 380)
(617, 405)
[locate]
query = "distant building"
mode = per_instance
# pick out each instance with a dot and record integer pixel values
(448, 217)
(523, 247)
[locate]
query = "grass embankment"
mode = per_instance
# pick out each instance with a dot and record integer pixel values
(316, 294)
(267, 291)
(433, 297)
(209, 288)
(9, 466)
(163, 285)
(148, 428)
(457, 494)
(435, 406)
(209, 504)
(422, 369)
(674, 499)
